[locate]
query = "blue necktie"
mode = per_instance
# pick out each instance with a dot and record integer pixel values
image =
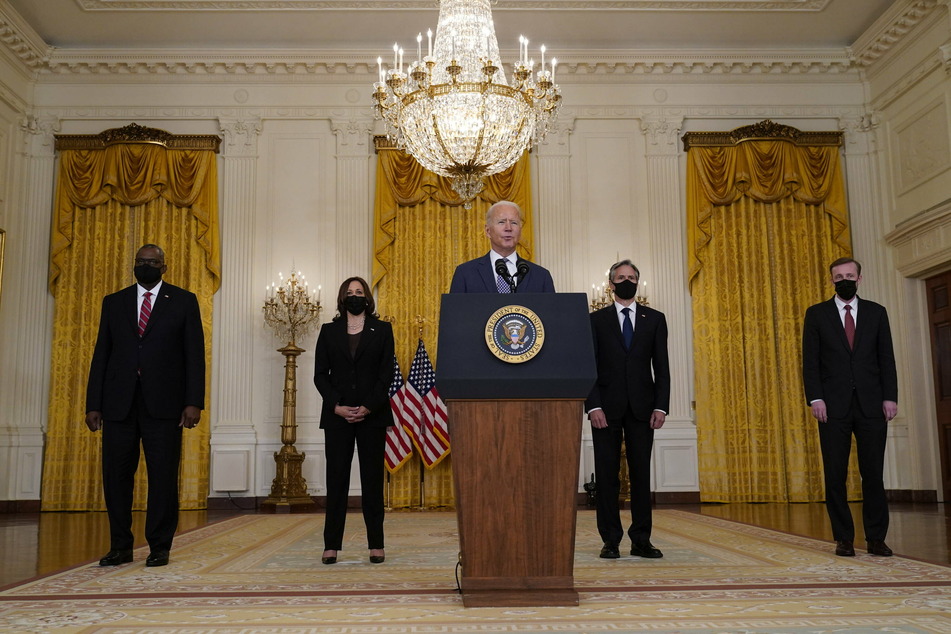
(500, 283)
(627, 328)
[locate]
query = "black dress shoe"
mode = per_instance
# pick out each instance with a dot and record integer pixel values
(645, 549)
(879, 548)
(610, 551)
(377, 559)
(844, 548)
(329, 560)
(157, 558)
(116, 557)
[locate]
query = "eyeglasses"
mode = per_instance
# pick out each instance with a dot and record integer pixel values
(149, 261)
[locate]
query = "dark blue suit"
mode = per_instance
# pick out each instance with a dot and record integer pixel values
(141, 385)
(631, 385)
(478, 276)
(853, 383)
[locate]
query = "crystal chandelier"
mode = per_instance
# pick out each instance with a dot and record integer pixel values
(453, 109)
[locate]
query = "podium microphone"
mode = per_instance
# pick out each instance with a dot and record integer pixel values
(521, 270)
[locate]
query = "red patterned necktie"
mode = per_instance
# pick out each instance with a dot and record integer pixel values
(145, 312)
(849, 326)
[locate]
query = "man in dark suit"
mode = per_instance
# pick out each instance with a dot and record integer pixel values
(628, 402)
(848, 370)
(503, 227)
(146, 382)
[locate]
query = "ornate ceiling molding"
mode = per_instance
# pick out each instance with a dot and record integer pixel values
(607, 66)
(19, 40)
(890, 29)
(356, 5)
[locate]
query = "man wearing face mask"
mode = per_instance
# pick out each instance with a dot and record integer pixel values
(628, 402)
(146, 383)
(851, 384)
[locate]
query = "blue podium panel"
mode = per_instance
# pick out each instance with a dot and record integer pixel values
(515, 346)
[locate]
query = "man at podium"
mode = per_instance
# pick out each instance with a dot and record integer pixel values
(628, 402)
(501, 270)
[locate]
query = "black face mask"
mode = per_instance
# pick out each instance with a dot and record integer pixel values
(626, 289)
(846, 289)
(147, 274)
(355, 304)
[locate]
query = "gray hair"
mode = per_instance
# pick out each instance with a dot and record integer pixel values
(503, 203)
(618, 265)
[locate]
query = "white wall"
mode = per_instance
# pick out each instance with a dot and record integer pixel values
(297, 178)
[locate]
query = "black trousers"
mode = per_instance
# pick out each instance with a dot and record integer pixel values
(370, 444)
(835, 441)
(161, 441)
(638, 438)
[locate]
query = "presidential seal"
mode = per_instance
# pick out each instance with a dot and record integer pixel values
(514, 334)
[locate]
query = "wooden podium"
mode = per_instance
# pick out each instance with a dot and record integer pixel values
(516, 442)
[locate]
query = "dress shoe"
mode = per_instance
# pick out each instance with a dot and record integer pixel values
(879, 548)
(377, 559)
(157, 558)
(329, 559)
(610, 551)
(844, 548)
(116, 557)
(645, 549)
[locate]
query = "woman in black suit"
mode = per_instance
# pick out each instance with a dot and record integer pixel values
(353, 371)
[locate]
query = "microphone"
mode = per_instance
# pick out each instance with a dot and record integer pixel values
(503, 270)
(521, 270)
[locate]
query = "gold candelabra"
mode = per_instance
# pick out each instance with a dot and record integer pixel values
(602, 295)
(292, 311)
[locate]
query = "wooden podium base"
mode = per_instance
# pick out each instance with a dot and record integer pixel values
(515, 473)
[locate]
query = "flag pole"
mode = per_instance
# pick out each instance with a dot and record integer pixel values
(420, 320)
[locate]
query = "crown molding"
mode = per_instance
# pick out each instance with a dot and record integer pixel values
(378, 5)
(302, 65)
(19, 41)
(891, 28)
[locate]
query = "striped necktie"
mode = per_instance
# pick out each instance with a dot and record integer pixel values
(145, 313)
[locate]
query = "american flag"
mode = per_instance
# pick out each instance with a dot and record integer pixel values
(399, 447)
(425, 411)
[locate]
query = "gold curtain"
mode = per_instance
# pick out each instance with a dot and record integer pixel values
(421, 233)
(108, 203)
(765, 219)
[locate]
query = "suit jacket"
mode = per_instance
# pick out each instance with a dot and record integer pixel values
(363, 379)
(831, 371)
(478, 276)
(639, 377)
(168, 360)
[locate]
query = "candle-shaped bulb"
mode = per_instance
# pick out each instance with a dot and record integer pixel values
(429, 37)
(554, 62)
(543, 58)
(396, 55)
(379, 63)
(419, 47)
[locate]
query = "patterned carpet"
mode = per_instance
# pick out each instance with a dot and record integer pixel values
(262, 574)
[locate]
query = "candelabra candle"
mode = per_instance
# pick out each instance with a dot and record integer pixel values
(601, 296)
(290, 309)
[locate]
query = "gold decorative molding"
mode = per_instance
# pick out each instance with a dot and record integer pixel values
(135, 133)
(763, 130)
(382, 142)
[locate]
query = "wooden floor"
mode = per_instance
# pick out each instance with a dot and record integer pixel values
(36, 544)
